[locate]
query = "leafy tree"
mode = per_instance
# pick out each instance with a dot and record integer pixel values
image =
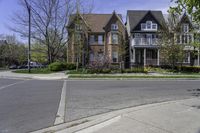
(38, 53)
(190, 6)
(171, 52)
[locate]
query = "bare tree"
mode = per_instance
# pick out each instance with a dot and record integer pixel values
(49, 19)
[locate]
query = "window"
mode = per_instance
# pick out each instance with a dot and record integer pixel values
(137, 35)
(114, 27)
(77, 37)
(187, 57)
(154, 26)
(78, 27)
(92, 39)
(91, 56)
(148, 24)
(143, 26)
(149, 39)
(114, 38)
(100, 56)
(115, 57)
(185, 28)
(100, 39)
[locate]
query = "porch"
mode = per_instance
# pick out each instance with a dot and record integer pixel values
(145, 56)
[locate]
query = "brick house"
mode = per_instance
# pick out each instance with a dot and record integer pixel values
(96, 37)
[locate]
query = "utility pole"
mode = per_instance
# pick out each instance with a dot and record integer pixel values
(29, 34)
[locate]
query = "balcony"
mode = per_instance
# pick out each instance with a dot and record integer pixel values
(144, 42)
(96, 43)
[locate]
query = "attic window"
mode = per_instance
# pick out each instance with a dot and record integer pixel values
(114, 27)
(78, 27)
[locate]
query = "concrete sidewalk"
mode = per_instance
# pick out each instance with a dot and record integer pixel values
(181, 116)
(52, 76)
(173, 117)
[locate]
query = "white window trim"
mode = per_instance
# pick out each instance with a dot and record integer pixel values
(146, 27)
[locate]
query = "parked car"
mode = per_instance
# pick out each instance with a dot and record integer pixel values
(35, 65)
(13, 67)
(22, 67)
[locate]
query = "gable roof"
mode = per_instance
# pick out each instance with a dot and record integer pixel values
(119, 17)
(96, 22)
(135, 16)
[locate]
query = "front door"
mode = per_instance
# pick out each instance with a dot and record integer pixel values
(149, 39)
(139, 57)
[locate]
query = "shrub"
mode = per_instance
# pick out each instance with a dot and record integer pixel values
(135, 70)
(70, 66)
(191, 69)
(57, 66)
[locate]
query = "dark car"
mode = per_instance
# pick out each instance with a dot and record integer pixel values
(22, 67)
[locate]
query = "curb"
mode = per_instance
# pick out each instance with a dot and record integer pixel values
(35, 77)
(155, 79)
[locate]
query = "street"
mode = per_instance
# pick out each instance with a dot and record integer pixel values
(29, 105)
(86, 98)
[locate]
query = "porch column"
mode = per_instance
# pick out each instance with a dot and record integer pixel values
(198, 58)
(145, 57)
(133, 55)
(158, 56)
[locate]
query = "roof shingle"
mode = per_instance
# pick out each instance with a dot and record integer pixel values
(96, 22)
(135, 16)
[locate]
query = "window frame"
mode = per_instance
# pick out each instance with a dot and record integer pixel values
(78, 27)
(114, 27)
(185, 28)
(102, 39)
(115, 56)
(116, 39)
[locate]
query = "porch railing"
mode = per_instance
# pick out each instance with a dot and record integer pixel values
(145, 41)
(151, 61)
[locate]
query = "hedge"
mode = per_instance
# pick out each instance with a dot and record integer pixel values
(60, 66)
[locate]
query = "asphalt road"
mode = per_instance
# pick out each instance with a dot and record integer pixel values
(28, 105)
(86, 98)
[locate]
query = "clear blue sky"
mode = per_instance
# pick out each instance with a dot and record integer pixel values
(8, 7)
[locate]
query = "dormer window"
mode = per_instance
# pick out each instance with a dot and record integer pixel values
(114, 27)
(185, 28)
(78, 27)
(149, 25)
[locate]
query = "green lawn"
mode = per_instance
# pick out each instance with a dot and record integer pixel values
(35, 71)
